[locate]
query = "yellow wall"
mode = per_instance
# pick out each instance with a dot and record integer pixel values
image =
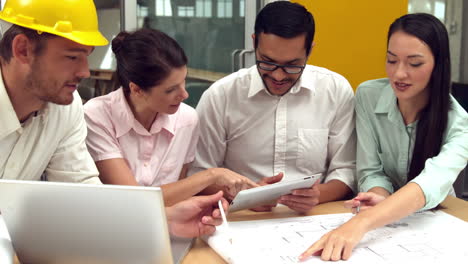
(351, 35)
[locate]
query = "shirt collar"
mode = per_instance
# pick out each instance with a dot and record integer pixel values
(257, 85)
(306, 81)
(125, 120)
(164, 122)
(8, 118)
(256, 82)
(387, 104)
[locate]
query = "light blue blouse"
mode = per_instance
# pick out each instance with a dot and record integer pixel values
(385, 145)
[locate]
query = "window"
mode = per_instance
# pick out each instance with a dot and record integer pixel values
(163, 8)
(225, 8)
(203, 8)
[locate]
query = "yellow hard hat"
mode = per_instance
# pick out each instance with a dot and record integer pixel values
(72, 19)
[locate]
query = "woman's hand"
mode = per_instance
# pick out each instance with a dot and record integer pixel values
(337, 244)
(230, 182)
(382, 209)
(364, 201)
(266, 181)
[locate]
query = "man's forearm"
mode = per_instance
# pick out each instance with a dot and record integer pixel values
(333, 190)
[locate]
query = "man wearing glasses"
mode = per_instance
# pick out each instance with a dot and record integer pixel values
(282, 117)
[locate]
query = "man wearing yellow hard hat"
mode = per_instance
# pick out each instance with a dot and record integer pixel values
(43, 57)
(42, 127)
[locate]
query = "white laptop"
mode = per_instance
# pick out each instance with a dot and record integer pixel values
(52, 222)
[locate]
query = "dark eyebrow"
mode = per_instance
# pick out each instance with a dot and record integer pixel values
(81, 50)
(270, 59)
(266, 57)
(410, 56)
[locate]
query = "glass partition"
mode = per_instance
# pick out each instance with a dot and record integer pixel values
(208, 30)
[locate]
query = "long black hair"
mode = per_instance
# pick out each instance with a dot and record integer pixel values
(433, 117)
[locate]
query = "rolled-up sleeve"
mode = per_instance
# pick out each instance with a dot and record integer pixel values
(441, 171)
(101, 140)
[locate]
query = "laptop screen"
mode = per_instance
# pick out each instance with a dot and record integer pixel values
(52, 222)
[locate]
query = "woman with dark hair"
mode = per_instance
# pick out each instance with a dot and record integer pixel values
(143, 133)
(412, 135)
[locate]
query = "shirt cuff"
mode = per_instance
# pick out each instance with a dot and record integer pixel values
(345, 176)
(370, 183)
(106, 156)
(433, 195)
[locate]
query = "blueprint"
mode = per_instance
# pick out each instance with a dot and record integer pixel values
(426, 237)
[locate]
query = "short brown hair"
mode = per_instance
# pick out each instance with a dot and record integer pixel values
(38, 39)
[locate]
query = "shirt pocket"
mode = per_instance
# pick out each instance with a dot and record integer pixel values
(312, 149)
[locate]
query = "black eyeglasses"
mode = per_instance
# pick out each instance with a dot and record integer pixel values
(270, 66)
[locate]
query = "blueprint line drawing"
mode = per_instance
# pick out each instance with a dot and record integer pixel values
(424, 237)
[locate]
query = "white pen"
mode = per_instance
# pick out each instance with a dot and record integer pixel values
(225, 222)
(358, 208)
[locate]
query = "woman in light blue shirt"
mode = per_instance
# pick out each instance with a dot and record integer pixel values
(412, 135)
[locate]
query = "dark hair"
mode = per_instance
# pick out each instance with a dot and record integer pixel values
(38, 40)
(146, 57)
(433, 117)
(287, 20)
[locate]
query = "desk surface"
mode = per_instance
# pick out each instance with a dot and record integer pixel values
(202, 253)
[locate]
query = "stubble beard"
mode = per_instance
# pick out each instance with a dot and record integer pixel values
(291, 81)
(47, 91)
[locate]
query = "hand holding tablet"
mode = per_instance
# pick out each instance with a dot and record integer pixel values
(268, 194)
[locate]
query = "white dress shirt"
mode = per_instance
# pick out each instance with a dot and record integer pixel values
(308, 130)
(50, 141)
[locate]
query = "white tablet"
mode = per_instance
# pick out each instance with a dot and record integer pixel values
(268, 194)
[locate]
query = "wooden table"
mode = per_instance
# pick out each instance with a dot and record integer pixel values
(202, 253)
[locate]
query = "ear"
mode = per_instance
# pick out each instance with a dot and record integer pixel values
(311, 49)
(135, 89)
(22, 49)
(253, 40)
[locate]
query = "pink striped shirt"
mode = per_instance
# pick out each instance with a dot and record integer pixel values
(155, 157)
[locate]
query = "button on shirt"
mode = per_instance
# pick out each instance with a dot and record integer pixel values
(308, 130)
(155, 157)
(385, 145)
(50, 142)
